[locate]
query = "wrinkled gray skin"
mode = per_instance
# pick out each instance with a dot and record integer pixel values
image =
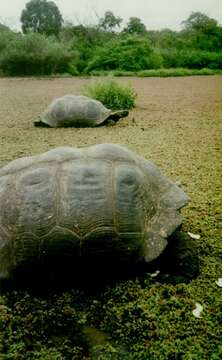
(77, 111)
(83, 203)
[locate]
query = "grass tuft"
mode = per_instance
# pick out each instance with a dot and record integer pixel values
(112, 94)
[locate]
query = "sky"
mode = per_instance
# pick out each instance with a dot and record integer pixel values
(155, 14)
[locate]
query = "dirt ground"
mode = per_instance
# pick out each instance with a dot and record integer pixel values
(176, 123)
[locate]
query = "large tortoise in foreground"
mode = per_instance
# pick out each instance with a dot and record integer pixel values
(77, 111)
(85, 203)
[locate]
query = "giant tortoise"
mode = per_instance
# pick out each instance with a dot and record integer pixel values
(77, 111)
(87, 203)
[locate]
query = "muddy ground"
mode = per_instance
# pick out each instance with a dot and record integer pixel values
(177, 124)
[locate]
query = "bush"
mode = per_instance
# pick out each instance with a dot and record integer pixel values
(155, 61)
(34, 54)
(201, 59)
(85, 40)
(192, 59)
(171, 58)
(111, 94)
(131, 53)
(6, 37)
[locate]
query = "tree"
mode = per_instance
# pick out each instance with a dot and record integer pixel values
(199, 22)
(109, 22)
(135, 26)
(205, 32)
(41, 16)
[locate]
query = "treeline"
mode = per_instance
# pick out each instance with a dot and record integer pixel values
(48, 46)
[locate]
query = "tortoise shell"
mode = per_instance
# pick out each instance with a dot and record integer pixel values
(77, 111)
(84, 203)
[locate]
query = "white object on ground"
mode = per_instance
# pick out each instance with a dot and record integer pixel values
(219, 282)
(193, 236)
(198, 310)
(155, 273)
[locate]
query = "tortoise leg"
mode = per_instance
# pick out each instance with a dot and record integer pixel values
(115, 116)
(6, 254)
(179, 262)
(40, 123)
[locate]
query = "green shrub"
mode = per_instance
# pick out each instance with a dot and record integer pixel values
(201, 59)
(111, 94)
(6, 37)
(171, 58)
(155, 61)
(34, 54)
(85, 40)
(131, 53)
(191, 59)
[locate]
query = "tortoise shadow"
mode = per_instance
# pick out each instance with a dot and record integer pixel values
(179, 263)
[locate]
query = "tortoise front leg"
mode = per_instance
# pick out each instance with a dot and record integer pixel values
(115, 116)
(40, 123)
(6, 256)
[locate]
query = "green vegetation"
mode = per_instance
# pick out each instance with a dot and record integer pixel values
(112, 94)
(137, 319)
(177, 72)
(158, 72)
(34, 54)
(132, 53)
(86, 49)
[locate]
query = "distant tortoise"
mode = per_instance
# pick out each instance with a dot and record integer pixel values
(77, 111)
(89, 203)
